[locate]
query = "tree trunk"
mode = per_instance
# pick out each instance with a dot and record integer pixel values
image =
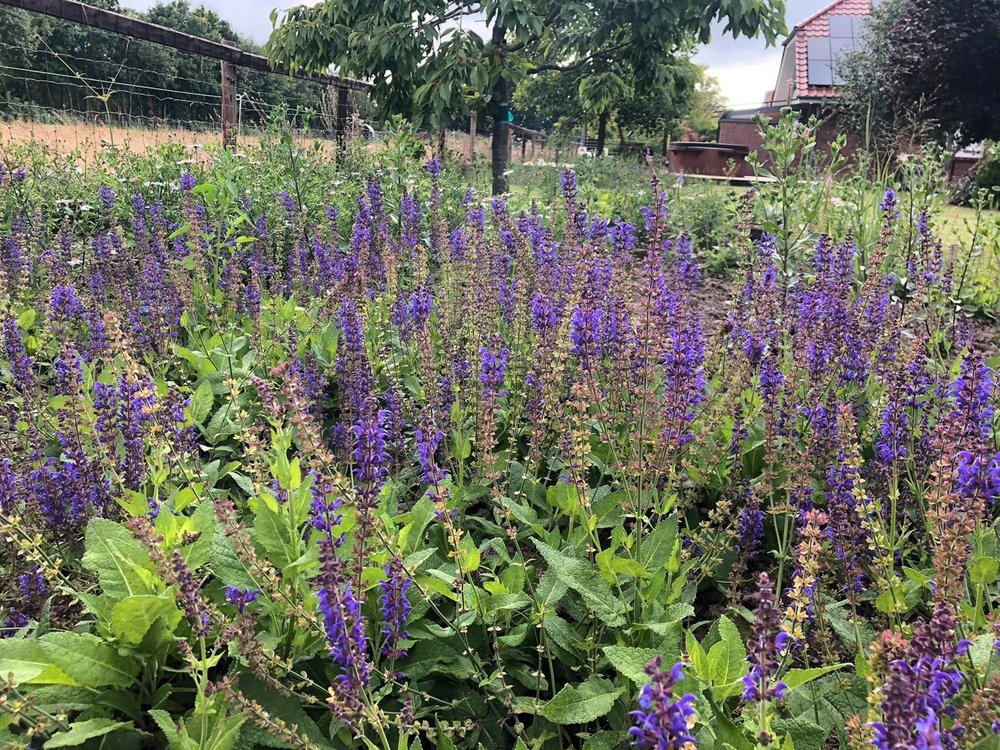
(501, 128)
(441, 142)
(666, 140)
(602, 131)
(621, 140)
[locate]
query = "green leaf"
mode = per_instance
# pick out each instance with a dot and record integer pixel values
(656, 547)
(166, 724)
(631, 662)
(133, 616)
(122, 565)
(81, 731)
(984, 570)
(270, 532)
(578, 704)
(579, 576)
(89, 660)
(697, 655)
(26, 319)
(202, 401)
(794, 678)
(727, 658)
(204, 522)
(444, 742)
(805, 734)
(30, 664)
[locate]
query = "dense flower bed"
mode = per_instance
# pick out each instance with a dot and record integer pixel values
(454, 474)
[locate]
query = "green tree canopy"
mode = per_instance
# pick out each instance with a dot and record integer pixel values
(60, 65)
(427, 61)
(927, 68)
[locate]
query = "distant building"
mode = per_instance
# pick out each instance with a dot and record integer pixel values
(807, 82)
(807, 76)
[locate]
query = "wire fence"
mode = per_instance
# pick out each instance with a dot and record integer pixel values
(78, 102)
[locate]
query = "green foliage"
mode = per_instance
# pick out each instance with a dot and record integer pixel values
(72, 67)
(557, 553)
(428, 63)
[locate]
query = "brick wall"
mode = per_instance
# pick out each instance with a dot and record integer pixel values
(744, 133)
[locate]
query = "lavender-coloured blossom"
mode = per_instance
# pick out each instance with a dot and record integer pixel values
(395, 608)
(663, 721)
(919, 687)
(427, 444)
(419, 307)
(241, 597)
(17, 357)
(370, 458)
(684, 382)
(65, 307)
(544, 313)
(189, 594)
(890, 446)
(13, 622)
(9, 482)
(33, 587)
(890, 204)
(107, 196)
(585, 333)
(346, 636)
(494, 368)
(767, 641)
(569, 184)
(187, 181)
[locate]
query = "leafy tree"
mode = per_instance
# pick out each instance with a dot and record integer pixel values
(927, 68)
(426, 60)
(552, 99)
(65, 66)
(658, 111)
(946, 54)
(707, 103)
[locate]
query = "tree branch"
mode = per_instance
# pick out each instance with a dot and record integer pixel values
(549, 20)
(578, 64)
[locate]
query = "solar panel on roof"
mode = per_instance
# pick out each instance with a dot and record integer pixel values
(840, 46)
(841, 26)
(820, 62)
(820, 73)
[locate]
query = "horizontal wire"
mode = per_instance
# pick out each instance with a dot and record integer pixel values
(114, 84)
(112, 63)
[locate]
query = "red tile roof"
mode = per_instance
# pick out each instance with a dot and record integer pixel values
(818, 25)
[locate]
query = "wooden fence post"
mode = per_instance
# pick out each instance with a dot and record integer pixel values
(341, 118)
(472, 137)
(228, 101)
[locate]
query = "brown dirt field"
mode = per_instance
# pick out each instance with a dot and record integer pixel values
(87, 138)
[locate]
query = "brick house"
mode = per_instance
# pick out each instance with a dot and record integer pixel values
(807, 82)
(807, 76)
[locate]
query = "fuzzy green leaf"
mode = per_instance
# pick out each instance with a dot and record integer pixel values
(579, 576)
(794, 678)
(81, 731)
(202, 401)
(89, 660)
(122, 565)
(133, 616)
(631, 662)
(578, 704)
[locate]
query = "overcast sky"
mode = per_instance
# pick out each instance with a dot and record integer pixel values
(746, 68)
